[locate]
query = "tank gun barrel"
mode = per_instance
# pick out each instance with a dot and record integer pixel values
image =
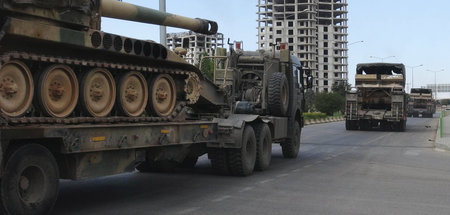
(125, 11)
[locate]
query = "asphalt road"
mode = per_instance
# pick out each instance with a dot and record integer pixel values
(338, 172)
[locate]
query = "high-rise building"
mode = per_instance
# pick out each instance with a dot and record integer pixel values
(195, 44)
(314, 30)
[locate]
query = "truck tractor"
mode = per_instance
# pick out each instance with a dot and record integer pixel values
(379, 99)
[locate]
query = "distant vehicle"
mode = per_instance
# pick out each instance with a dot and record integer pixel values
(421, 102)
(379, 100)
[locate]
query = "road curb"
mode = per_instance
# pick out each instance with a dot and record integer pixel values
(324, 120)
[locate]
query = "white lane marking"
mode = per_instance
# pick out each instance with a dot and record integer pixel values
(412, 152)
(265, 181)
(221, 198)
(189, 210)
(328, 158)
(317, 162)
(296, 170)
(307, 166)
(282, 175)
(246, 189)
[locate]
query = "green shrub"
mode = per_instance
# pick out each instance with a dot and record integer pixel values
(314, 115)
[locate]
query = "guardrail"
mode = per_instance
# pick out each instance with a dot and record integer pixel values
(443, 114)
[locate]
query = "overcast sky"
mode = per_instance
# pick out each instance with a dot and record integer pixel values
(415, 31)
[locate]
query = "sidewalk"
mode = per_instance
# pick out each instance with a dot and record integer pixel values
(326, 120)
(444, 141)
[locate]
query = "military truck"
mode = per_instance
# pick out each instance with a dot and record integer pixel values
(79, 103)
(421, 103)
(260, 86)
(379, 99)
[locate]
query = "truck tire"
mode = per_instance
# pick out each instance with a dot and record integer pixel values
(219, 160)
(291, 146)
(263, 147)
(401, 126)
(31, 181)
(242, 161)
(350, 125)
(278, 94)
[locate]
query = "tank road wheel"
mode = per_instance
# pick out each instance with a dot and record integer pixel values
(263, 147)
(98, 92)
(192, 88)
(291, 146)
(31, 180)
(242, 161)
(163, 95)
(133, 94)
(278, 93)
(16, 88)
(58, 91)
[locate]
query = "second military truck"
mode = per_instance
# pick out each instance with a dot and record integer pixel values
(379, 99)
(421, 103)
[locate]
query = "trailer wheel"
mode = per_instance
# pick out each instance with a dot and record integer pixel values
(263, 147)
(31, 181)
(242, 161)
(278, 94)
(291, 146)
(219, 160)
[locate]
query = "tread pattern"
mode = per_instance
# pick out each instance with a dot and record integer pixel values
(219, 160)
(275, 100)
(260, 156)
(288, 148)
(237, 159)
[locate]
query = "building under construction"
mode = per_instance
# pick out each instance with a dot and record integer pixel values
(315, 30)
(195, 44)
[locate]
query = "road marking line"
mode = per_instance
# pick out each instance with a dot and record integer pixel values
(296, 170)
(246, 189)
(328, 158)
(265, 181)
(282, 175)
(221, 198)
(189, 210)
(317, 162)
(307, 166)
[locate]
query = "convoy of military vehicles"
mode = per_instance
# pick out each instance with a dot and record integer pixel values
(78, 103)
(421, 103)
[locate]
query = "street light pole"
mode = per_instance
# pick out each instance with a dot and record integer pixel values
(361, 41)
(162, 29)
(382, 58)
(435, 84)
(412, 73)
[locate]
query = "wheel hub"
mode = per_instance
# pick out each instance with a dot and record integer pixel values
(8, 87)
(97, 92)
(131, 94)
(161, 94)
(56, 90)
(24, 183)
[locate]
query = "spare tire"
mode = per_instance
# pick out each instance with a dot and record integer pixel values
(278, 94)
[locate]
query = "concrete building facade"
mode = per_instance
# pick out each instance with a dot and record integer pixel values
(195, 44)
(315, 31)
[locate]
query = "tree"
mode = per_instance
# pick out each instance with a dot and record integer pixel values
(207, 65)
(330, 103)
(341, 88)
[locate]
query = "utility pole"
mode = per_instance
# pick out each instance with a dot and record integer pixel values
(162, 29)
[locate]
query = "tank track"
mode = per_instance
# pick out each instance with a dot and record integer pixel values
(27, 120)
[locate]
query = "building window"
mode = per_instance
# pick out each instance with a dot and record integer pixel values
(325, 83)
(325, 44)
(290, 24)
(325, 52)
(325, 89)
(291, 40)
(278, 23)
(278, 31)
(325, 59)
(325, 74)
(278, 40)
(325, 37)
(270, 36)
(291, 48)
(325, 29)
(325, 67)
(291, 32)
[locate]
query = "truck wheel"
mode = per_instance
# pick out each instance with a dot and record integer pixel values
(219, 160)
(278, 94)
(242, 161)
(291, 146)
(263, 147)
(401, 126)
(349, 125)
(31, 181)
